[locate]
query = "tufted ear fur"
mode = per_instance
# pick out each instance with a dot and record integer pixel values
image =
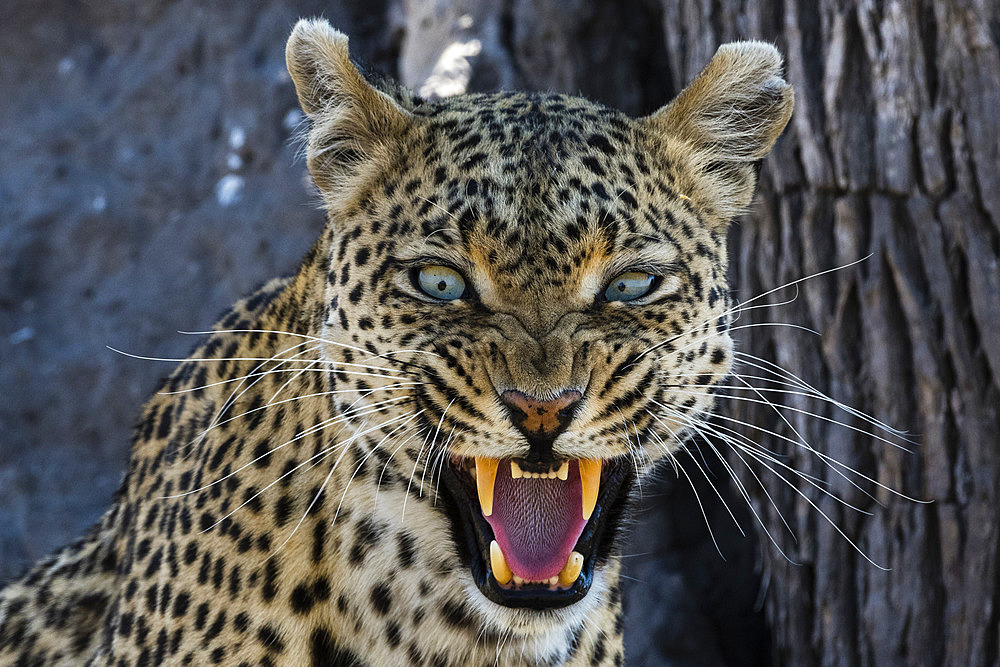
(353, 124)
(730, 116)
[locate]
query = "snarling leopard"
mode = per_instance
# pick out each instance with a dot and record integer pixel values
(420, 448)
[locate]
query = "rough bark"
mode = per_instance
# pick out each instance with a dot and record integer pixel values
(121, 223)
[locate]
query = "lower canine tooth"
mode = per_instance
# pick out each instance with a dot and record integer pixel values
(571, 570)
(515, 471)
(563, 472)
(501, 571)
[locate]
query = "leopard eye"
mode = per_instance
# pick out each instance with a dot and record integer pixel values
(441, 282)
(629, 285)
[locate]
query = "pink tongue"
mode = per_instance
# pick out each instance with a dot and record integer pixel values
(537, 521)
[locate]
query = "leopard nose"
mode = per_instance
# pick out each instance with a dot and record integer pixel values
(541, 420)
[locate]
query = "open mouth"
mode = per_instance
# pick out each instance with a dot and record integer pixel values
(533, 533)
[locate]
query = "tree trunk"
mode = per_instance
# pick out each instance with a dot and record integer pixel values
(126, 134)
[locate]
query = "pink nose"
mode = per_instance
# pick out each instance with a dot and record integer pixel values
(541, 420)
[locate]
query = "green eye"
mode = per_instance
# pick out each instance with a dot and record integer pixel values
(629, 285)
(441, 282)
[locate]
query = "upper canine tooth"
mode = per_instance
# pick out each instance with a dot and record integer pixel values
(501, 571)
(486, 475)
(515, 471)
(563, 472)
(590, 483)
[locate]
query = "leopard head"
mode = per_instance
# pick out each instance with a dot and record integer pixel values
(546, 279)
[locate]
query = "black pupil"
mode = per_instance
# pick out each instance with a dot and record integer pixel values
(442, 285)
(621, 286)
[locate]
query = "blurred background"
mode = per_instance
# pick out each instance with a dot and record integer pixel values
(148, 179)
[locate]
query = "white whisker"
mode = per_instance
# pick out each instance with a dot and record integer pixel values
(319, 455)
(715, 317)
(313, 429)
(805, 385)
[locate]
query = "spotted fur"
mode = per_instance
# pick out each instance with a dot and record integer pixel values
(281, 504)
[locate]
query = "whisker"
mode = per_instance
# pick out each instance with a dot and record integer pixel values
(332, 421)
(378, 485)
(319, 492)
(662, 446)
(307, 337)
(278, 371)
(754, 449)
(714, 334)
(233, 396)
(324, 362)
(729, 311)
(772, 390)
(703, 470)
(430, 451)
(631, 452)
(413, 415)
(828, 460)
(699, 427)
(437, 467)
(740, 308)
(805, 385)
(780, 406)
(767, 494)
(697, 498)
(441, 465)
(825, 516)
(437, 205)
(767, 530)
(319, 455)
(305, 396)
(801, 442)
(416, 462)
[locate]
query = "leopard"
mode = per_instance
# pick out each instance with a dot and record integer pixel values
(423, 447)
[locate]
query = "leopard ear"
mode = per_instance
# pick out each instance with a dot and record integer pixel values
(730, 116)
(353, 124)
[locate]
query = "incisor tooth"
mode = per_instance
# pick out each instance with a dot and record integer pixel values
(501, 571)
(486, 475)
(515, 471)
(571, 570)
(590, 483)
(563, 472)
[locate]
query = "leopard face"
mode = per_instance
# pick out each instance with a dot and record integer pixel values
(546, 278)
